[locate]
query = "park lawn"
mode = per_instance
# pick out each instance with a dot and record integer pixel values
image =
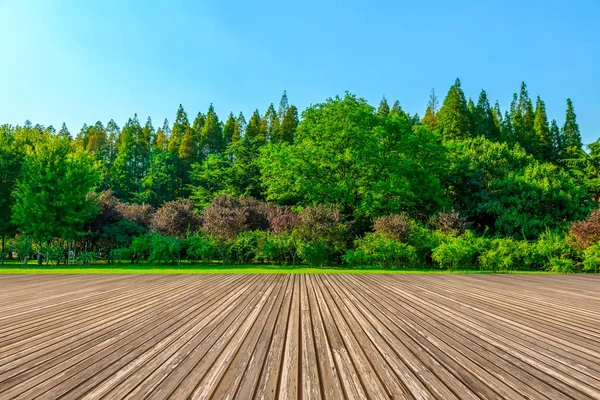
(14, 268)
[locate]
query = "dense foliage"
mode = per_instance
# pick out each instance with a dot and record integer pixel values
(467, 186)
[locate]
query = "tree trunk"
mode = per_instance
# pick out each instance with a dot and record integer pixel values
(39, 257)
(68, 252)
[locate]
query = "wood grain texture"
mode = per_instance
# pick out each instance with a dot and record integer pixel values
(300, 337)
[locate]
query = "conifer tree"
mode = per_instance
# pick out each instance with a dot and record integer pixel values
(572, 144)
(484, 123)
(212, 134)
(161, 141)
(283, 107)
(431, 112)
(557, 140)
(240, 129)
(454, 116)
(112, 132)
(255, 131)
(384, 108)
(397, 109)
(542, 132)
(229, 130)
(289, 124)
(271, 120)
(497, 114)
(64, 131)
(179, 128)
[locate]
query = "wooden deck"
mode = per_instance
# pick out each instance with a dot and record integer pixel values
(300, 336)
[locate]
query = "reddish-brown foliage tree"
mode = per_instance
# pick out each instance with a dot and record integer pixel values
(396, 227)
(175, 218)
(256, 213)
(449, 222)
(141, 214)
(281, 219)
(587, 232)
(320, 223)
(225, 218)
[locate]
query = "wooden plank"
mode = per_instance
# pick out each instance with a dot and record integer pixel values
(300, 336)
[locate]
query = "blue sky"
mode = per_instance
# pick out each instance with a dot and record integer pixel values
(83, 61)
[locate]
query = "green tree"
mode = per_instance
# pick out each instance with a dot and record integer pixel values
(543, 133)
(572, 144)
(272, 124)
(10, 168)
(212, 134)
(229, 130)
(289, 124)
(484, 122)
(345, 154)
(557, 140)
(539, 197)
(64, 131)
(129, 168)
(431, 113)
(51, 198)
(454, 117)
(384, 108)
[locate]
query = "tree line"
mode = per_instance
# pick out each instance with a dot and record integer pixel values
(347, 183)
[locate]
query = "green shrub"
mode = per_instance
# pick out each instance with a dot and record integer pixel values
(549, 252)
(23, 247)
(245, 247)
(459, 251)
(121, 254)
(315, 253)
(591, 261)
(503, 255)
(560, 265)
(375, 249)
(200, 247)
(140, 247)
(154, 247)
(87, 258)
(280, 249)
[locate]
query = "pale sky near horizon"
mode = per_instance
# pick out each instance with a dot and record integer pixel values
(83, 61)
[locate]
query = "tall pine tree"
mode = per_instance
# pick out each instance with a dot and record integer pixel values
(542, 132)
(572, 144)
(454, 115)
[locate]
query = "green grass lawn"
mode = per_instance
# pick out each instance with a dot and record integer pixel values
(13, 267)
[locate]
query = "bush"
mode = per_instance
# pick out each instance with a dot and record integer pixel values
(449, 222)
(23, 247)
(375, 249)
(397, 227)
(175, 218)
(141, 247)
(224, 219)
(255, 212)
(245, 248)
(164, 248)
(282, 220)
(549, 250)
(591, 261)
(87, 258)
(560, 265)
(503, 255)
(121, 254)
(315, 253)
(459, 251)
(320, 229)
(587, 232)
(200, 247)
(281, 249)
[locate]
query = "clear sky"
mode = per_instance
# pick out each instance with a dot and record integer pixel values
(83, 61)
